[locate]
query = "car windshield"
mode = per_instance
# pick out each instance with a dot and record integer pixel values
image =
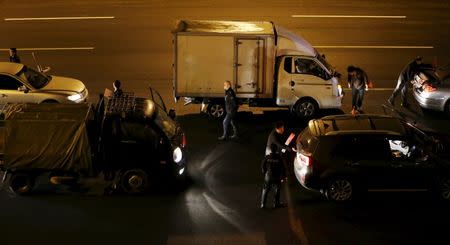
(165, 123)
(325, 63)
(36, 79)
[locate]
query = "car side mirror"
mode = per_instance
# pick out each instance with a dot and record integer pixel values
(23, 89)
(172, 113)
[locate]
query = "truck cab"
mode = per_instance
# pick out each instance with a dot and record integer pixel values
(307, 83)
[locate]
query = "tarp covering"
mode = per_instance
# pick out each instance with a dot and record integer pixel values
(48, 137)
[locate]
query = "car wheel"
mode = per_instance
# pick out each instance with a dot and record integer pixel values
(444, 189)
(339, 190)
(134, 181)
(216, 110)
(305, 108)
(21, 183)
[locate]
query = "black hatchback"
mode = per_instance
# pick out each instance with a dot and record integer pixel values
(343, 156)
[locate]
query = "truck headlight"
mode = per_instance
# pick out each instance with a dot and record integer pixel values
(177, 155)
(74, 97)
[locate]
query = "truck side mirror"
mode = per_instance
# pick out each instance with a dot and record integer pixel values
(172, 113)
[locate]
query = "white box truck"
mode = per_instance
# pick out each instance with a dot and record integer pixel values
(267, 65)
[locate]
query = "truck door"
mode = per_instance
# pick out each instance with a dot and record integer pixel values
(311, 79)
(249, 65)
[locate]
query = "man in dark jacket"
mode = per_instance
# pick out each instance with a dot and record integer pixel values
(13, 56)
(274, 173)
(406, 75)
(117, 88)
(231, 107)
(357, 81)
(278, 138)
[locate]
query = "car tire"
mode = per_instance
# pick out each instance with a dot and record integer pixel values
(443, 189)
(340, 189)
(305, 108)
(216, 110)
(21, 183)
(134, 181)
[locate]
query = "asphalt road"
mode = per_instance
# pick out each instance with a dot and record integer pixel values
(221, 205)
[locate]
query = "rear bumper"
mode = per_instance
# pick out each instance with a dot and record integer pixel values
(429, 103)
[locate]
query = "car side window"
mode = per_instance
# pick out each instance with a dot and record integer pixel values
(402, 149)
(9, 83)
(369, 148)
(311, 67)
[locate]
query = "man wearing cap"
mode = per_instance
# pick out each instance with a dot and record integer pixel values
(406, 75)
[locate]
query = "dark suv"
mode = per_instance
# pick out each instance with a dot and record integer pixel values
(343, 156)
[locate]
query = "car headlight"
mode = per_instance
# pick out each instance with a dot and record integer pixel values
(177, 155)
(74, 97)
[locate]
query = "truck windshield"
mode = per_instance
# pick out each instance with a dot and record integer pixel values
(36, 79)
(325, 63)
(165, 123)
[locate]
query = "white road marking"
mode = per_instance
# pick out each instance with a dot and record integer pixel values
(51, 49)
(349, 16)
(372, 47)
(373, 89)
(61, 18)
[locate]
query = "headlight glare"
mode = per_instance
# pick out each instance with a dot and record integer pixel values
(74, 97)
(177, 155)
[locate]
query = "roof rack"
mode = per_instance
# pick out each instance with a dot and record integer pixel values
(123, 104)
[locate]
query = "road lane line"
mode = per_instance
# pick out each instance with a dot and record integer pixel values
(51, 49)
(61, 18)
(373, 89)
(349, 16)
(372, 47)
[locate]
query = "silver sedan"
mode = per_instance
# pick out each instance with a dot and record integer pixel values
(432, 92)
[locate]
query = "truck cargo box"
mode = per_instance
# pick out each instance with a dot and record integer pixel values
(208, 53)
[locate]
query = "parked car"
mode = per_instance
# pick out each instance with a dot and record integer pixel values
(343, 156)
(22, 84)
(432, 92)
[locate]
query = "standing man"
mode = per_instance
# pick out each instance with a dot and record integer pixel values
(357, 81)
(406, 75)
(274, 174)
(278, 138)
(117, 90)
(13, 56)
(231, 107)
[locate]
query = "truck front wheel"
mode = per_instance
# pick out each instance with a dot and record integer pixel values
(216, 110)
(134, 181)
(21, 183)
(305, 108)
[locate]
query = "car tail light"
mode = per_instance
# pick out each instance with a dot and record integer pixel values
(304, 159)
(428, 88)
(183, 140)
